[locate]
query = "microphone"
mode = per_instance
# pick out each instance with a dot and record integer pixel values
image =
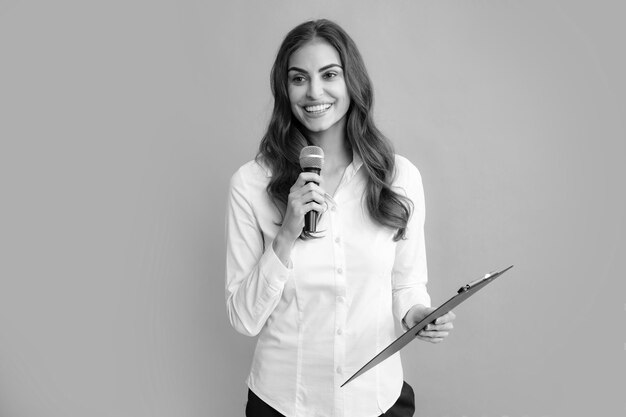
(311, 160)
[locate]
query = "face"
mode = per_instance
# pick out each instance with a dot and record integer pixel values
(317, 89)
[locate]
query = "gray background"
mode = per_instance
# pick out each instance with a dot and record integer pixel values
(122, 121)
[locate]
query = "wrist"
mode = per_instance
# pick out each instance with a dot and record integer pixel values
(282, 246)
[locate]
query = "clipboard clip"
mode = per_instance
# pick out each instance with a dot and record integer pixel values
(487, 277)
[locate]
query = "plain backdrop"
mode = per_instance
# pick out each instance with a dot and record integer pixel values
(121, 123)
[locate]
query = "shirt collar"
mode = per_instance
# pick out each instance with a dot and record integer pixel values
(353, 168)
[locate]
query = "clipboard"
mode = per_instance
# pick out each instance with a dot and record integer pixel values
(462, 294)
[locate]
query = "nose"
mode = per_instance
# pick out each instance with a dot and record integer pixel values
(315, 89)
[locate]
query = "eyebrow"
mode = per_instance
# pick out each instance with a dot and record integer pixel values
(324, 68)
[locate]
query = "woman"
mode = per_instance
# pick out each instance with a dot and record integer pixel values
(325, 303)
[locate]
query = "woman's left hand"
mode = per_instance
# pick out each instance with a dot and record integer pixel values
(434, 332)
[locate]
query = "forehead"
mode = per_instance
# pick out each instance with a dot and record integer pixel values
(314, 54)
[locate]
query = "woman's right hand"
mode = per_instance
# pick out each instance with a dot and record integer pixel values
(305, 195)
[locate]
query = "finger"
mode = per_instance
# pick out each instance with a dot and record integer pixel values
(313, 196)
(305, 195)
(436, 331)
(430, 339)
(433, 334)
(311, 187)
(445, 326)
(305, 177)
(425, 333)
(313, 206)
(299, 208)
(301, 205)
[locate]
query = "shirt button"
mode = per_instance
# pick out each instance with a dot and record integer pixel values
(333, 208)
(339, 271)
(340, 299)
(339, 370)
(339, 332)
(337, 240)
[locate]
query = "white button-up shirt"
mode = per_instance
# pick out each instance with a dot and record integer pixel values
(333, 309)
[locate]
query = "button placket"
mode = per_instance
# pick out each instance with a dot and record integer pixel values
(341, 306)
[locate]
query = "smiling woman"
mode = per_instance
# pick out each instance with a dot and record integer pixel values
(323, 303)
(317, 89)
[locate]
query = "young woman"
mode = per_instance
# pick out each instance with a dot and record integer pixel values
(325, 303)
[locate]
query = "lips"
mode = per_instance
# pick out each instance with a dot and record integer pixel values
(318, 108)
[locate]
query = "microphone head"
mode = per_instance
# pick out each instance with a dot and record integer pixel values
(311, 157)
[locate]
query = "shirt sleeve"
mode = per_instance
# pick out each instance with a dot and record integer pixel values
(409, 274)
(255, 277)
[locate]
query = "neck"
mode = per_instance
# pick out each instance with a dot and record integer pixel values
(337, 151)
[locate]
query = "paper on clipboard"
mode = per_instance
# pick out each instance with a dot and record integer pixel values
(463, 294)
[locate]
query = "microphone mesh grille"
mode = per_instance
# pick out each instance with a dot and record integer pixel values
(311, 157)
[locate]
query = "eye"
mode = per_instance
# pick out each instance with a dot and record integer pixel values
(298, 79)
(330, 74)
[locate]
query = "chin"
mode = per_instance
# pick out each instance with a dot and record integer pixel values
(316, 128)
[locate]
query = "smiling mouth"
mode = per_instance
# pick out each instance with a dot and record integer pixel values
(317, 109)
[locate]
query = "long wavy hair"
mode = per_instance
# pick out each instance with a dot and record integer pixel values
(285, 136)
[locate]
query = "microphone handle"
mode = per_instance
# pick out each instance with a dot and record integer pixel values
(310, 218)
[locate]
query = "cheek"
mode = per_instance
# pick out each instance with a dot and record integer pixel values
(294, 92)
(293, 99)
(341, 92)
(295, 110)
(345, 99)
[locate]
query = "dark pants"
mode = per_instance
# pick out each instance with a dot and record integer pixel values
(404, 406)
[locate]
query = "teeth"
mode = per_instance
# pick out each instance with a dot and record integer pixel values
(318, 108)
